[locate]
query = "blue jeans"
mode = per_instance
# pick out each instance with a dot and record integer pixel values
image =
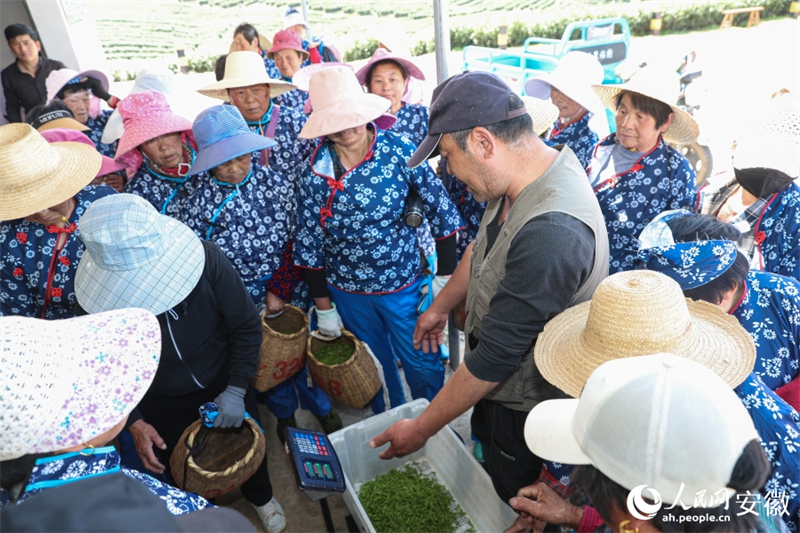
(386, 323)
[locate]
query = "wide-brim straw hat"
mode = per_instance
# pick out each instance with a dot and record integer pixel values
(35, 174)
(58, 135)
(135, 257)
(664, 88)
(411, 70)
(574, 76)
(243, 69)
(66, 382)
(637, 313)
(263, 43)
(145, 116)
(339, 103)
(57, 79)
(542, 113)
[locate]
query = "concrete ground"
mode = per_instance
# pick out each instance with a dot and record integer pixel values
(303, 515)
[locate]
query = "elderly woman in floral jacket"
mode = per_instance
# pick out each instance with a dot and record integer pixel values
(360, 258)
(635, 174)
(250, 212)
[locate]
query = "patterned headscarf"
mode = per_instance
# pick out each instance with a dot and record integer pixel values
(691, 264)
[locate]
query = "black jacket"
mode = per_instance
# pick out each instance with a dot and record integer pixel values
(24, 91)
(216, 328)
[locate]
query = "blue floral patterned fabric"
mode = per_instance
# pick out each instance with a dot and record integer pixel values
(170, 196)
(289, 157)
(95, 133)
(26, 260)
(471, 211)
(67, 468)
(778, 233)
(251, 222)
(577, 136)
(270, 66)
(294, 98)
(412, 122)
(778, 427)
(660, 180)
(770, 312)
(354, 228)
(691, 264)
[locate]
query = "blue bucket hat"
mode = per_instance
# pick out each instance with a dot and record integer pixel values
(221, 135)
(690, 264)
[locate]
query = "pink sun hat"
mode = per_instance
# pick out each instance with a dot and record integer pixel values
(381, 54)
(145, 116)
(286, 40)
(60, 135)
(58, 79)
(68, 381)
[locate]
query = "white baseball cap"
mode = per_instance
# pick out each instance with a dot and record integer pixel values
(657, 420)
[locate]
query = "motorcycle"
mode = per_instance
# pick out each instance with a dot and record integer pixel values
(692, 94)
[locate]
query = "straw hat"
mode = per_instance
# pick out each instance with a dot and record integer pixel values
(636, 313)
(66, 382)
(663, 87)
(57, 79)
(339, 103)
(135, 257)
(411, 70)
(574, 76)
(58, 135)
(542, 112)
(35, 174)
(222, 134)
(146, 115)
(656, 420)
(263, 43)
(287, 40)
(243, 69)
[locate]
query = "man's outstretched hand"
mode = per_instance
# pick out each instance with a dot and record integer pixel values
(404, 437)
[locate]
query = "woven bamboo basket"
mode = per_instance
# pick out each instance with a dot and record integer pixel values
(459, 315)
(282, 355)
(354, 382)
(223, 458)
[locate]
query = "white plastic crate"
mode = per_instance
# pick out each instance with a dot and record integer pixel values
(444, 454)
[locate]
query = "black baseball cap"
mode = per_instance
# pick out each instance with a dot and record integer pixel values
(463, 102)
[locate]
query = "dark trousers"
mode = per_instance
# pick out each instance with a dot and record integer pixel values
(507, 459)
(172, 415)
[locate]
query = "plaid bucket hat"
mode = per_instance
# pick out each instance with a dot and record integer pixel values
(222, 134)
(66, 382)
(135, 257)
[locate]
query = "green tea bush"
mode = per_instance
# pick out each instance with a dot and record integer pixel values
(361, 50)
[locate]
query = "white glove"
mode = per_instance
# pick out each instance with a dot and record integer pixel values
(438, 284)
(329, 322)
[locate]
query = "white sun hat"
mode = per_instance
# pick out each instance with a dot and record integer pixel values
(574, 76)
(243, 69)
(683, 426)
(66, 382)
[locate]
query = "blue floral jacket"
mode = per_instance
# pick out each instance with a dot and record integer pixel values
(289, 157)
(251, 222)
(67, 468)
(661, 180)
(170, 196)
(26, 263)
(354, 228)
(294, 98)
(412, 123)
(770, 312)
(777, 233)
(95, 133)
(577, 136)
(270, 66)
(778, 427)
(471, 211)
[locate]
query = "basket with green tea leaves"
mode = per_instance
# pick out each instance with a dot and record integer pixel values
(334, 353)
(410, 501)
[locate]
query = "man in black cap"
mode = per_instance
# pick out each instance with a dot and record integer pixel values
(541, 248)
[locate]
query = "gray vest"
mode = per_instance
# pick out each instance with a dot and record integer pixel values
(563, 188)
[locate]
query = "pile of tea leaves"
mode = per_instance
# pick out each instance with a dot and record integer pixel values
(407, 501)
(334, 353)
